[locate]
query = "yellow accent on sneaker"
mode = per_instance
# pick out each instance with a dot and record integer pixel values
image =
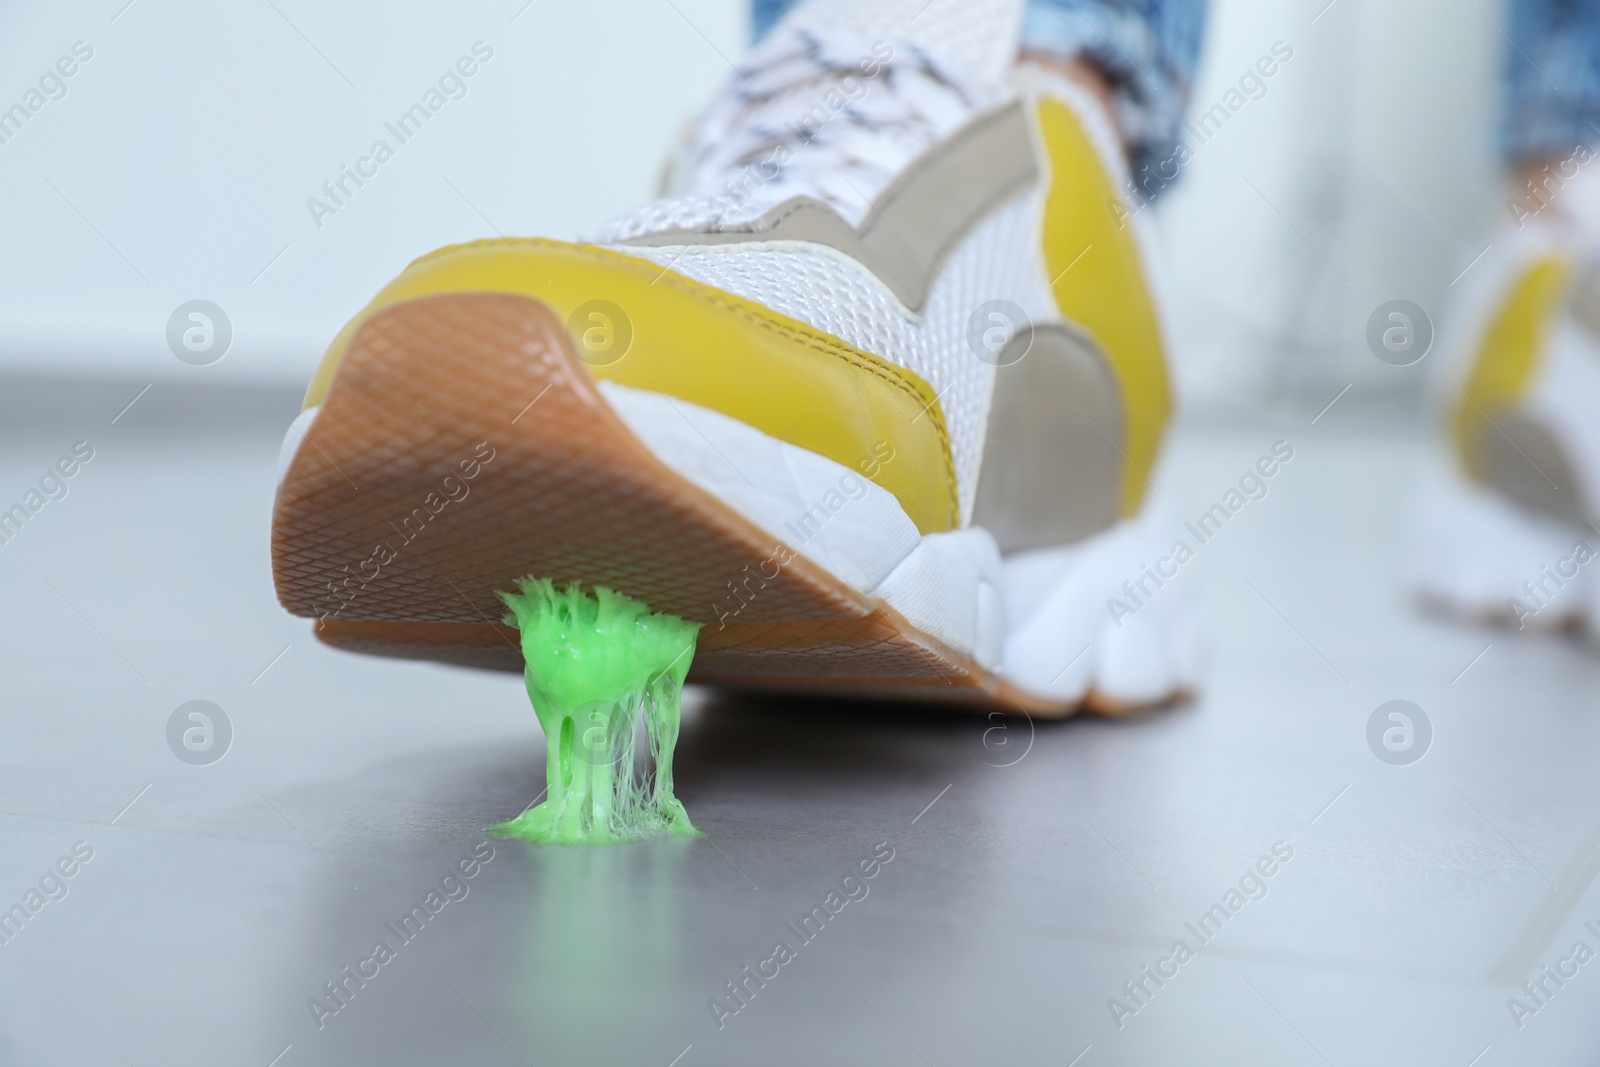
(1104, 291)
(1508, 356)
(721, 351)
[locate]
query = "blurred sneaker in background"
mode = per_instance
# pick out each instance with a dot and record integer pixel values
(1506, 528)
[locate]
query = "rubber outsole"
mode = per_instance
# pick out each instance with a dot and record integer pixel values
(381, 533)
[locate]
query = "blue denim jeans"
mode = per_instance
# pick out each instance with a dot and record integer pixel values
(1551, 83)
(1146, 48)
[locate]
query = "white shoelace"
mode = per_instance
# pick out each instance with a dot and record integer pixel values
(825, 115)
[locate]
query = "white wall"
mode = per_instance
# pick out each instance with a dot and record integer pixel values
(1374, 179)
(193, 138)
(185, 149)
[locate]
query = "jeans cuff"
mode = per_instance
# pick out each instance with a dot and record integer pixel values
(1149, 90)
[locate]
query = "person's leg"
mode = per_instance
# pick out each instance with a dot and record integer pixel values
(762, 286)
(1551, 96)
(1516, 382)
(1139, 56)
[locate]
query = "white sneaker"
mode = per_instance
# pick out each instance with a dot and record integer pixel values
(872, 397)
(1505, 528)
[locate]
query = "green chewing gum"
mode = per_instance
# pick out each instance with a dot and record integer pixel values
(596, 662)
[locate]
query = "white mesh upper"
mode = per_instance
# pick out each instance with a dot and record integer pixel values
(929, 68)
(999, 260)
(980, 36)
(821, 113)
(693, 213)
